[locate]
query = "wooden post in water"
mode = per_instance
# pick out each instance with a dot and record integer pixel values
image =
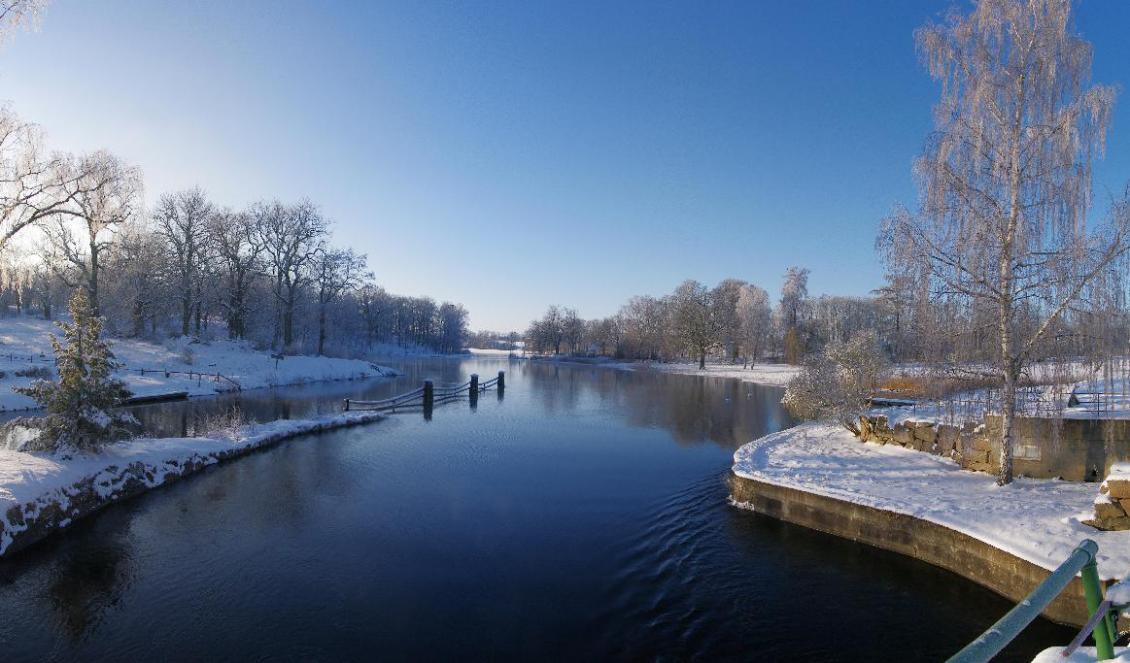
(346, 405)
(429, 398)
(474, 392)
(501, 380)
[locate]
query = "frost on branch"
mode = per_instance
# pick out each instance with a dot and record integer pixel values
(837, 383)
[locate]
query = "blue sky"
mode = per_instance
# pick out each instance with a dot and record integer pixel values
(510, 155)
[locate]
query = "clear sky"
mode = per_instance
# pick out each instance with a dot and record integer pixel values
(511, 155)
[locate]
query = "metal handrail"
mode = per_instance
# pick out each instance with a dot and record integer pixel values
(997, 637)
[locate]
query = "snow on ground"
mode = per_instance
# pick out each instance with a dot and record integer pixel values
(41, 479)
(24, 337)
(774, 375)
(495, 352)
(1036, 520)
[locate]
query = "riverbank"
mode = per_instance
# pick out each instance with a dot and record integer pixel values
(925, 506)
(42, 493)
(180, 365)
(770, 375)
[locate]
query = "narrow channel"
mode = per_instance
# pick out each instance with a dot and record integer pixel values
(582, 515)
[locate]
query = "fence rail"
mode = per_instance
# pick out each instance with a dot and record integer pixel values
(199, 376)
(428, 395)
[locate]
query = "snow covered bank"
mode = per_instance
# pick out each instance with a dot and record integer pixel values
(25, 344)
(40, 493)
(774, 375)
(1035, 520)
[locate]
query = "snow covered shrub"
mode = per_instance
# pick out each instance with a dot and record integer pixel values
(21, 434)
(38, 372)
(225, 424)
(79, 405)
(837, 383)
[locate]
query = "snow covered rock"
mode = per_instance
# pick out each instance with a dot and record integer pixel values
(1112, 506)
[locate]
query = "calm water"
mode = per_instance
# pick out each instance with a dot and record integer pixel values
(583, 516)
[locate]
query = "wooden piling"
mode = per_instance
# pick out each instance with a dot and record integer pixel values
(501, 380)
(429, 394)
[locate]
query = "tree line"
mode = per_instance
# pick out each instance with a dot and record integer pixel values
(268, 273)
(734, 321)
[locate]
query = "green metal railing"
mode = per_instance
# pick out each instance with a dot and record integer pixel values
(1101, 624)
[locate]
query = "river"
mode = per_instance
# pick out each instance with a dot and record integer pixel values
(581, 515)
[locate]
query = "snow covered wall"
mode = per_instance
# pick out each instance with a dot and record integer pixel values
(41, 493)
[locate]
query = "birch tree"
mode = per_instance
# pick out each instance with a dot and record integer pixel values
(15, 14)
(1006, 179)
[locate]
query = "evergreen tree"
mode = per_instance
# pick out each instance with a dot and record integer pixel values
(79, 405)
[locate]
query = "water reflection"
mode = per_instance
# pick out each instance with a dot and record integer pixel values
(86, 584)
(695, 409)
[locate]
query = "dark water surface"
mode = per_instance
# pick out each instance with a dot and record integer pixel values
(582, 516)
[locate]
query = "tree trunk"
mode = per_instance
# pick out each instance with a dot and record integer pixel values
(93, 281)
(288, 325)
(321, 330)
(702, 360)
(185, 313)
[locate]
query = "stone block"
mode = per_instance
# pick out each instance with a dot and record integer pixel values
(1108, 510)
(1118, 488)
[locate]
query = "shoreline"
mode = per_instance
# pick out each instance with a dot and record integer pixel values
(764, 374)
(41, 494)
(180, 395)
(1006, 539)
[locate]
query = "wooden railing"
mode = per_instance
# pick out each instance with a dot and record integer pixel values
(428, 395)
(199, 376)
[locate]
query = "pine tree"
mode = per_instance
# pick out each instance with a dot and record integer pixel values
(79, 405)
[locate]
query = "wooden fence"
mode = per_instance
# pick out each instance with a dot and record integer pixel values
(428, 395)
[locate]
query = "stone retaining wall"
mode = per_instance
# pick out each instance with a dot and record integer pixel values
(999, 571)
(1072, 449)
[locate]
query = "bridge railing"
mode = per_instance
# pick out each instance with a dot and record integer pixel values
(1101, 624)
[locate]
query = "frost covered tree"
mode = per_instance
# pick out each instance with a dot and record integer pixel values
(290, 236)
(794, 294)
(336, 272)
(755, 320)
(1006, 180)
(80, 404)
(16, 14)
(181, 221)
(238, 249)
(30, 190)
(726, 295)
(837, 382)
(696, 319)
(102, 192)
